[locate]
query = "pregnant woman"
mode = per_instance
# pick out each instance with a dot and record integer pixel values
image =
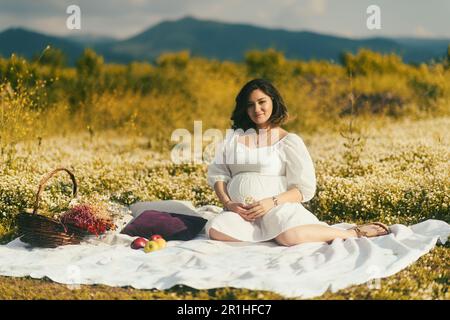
(262, 174)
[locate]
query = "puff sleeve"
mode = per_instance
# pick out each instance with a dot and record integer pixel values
(218, 169)
(300, 172)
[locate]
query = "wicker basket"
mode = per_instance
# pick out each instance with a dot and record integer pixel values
(41, 231)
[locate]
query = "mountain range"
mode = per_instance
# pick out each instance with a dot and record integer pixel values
(217, 40)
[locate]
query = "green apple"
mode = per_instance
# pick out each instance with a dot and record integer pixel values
(151, 246)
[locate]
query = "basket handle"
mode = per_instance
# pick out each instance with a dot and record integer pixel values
(44, 181)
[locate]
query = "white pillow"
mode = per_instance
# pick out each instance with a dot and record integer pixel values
(172, 206)
(175, 206)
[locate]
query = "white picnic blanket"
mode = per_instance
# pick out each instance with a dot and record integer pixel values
(303, 271)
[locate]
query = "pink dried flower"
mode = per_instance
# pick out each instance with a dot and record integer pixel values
(88, 217)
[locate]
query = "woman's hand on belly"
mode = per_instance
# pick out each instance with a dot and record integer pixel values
(259, 208)
(239, 208)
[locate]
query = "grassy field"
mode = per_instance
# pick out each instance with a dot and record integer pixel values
(377, 129)
(399, 161)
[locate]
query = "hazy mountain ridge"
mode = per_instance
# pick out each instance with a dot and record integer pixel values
(211, 39)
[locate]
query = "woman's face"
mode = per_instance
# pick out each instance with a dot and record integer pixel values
(259, 107)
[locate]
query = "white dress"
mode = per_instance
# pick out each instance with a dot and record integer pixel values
(260, 173)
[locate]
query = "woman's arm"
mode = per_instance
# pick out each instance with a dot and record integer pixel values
(260, 208)
(292, 195)
(220, 187)
(300, 171)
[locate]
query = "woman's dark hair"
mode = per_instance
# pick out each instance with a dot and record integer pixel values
(240, 117)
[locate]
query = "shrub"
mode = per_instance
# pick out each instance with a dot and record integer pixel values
(366, 62)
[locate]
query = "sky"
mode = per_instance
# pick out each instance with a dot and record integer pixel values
(124, 18)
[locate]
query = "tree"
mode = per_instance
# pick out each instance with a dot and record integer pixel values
(269, 64)
(178, 60)
(89, 80)
(90, 64)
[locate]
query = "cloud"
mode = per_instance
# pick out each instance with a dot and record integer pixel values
(317, 7)
(122, 18)
(420, 31)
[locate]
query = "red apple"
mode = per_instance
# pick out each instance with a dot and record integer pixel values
(139, 243)
(156, 236)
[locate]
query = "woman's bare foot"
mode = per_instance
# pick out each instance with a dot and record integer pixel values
(369, 230)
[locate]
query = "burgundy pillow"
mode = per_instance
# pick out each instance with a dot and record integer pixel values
(171, 226)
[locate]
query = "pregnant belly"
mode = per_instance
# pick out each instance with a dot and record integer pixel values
(255, 186)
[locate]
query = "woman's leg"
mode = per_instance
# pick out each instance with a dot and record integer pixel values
(312, 233)
(216, 235)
